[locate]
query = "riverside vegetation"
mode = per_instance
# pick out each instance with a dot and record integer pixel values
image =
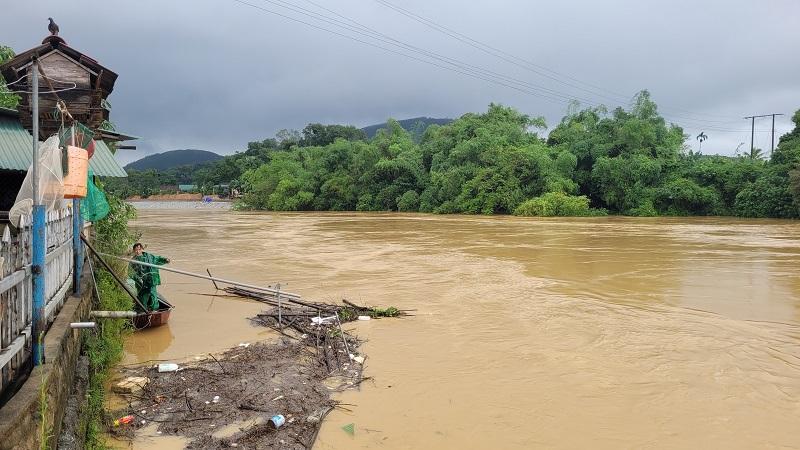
(594, 162)
(104, 346)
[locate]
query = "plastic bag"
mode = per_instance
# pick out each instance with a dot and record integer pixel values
(51, 184)
(94, 206)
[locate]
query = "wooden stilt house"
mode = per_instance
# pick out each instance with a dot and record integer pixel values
(81, 83)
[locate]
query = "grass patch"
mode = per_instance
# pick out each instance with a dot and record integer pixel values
(104, 346)
(45, 427)
(104, 349)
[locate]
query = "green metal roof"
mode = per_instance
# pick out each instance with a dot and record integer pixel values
(16, 144)
(16, 150)
(103, 162)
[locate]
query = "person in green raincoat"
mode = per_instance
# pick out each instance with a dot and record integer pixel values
(146, 278)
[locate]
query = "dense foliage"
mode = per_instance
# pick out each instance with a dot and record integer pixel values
(7, 99)
(104, 347)
(628, 162)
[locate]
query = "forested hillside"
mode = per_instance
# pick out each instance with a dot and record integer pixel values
(593, 162)
(173, 158)
(415, 126)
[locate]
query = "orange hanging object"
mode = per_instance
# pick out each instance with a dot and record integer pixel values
(77, 172)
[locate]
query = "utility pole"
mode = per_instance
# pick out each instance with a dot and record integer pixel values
(753, 129)
(773, 133)
(38, 231)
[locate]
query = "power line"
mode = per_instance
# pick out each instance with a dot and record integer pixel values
(486, 48)
(366, 31)
(451, 63)
(675, 118)
(508, 57)
(372, 44)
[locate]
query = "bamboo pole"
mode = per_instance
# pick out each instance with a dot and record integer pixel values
(204, 277)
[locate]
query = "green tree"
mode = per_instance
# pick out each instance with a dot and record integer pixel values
(557, 204)
(7, 98)
(316, 134)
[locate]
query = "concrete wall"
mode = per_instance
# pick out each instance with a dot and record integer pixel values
(20, 424)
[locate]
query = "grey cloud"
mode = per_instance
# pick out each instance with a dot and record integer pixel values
(216, 74)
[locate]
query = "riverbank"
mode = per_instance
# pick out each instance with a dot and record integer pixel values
(271, 394)
(180, 204)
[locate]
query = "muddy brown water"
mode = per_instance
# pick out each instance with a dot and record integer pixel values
(529, 333)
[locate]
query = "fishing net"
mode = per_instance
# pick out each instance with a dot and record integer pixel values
(82, 134)
(94, 206)
(51, 184)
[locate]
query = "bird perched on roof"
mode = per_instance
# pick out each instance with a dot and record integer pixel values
(53, 27)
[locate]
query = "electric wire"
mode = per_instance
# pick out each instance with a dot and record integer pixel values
(700, 123)
(371, 33)
(452, 64)
(372, 44)
(508, 57)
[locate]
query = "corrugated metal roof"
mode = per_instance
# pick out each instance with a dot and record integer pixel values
(16, 144)
(16, 150)
(103, 162)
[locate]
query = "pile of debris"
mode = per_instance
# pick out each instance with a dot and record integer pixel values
(231, 400)
(262, 395)
(319, 325)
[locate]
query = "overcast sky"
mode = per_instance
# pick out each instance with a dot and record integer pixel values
(216, 74)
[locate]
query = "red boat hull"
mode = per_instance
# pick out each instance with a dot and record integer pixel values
(154, 318)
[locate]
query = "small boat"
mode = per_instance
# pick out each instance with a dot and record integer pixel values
(155, 318)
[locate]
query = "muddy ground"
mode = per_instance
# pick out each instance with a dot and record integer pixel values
(252, 383)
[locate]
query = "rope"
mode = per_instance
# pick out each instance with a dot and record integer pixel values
(49, 84)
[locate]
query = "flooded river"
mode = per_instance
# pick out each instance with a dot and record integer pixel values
(600, 333)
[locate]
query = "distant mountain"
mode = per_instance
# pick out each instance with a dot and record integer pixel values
(415, 126)
(173, 158)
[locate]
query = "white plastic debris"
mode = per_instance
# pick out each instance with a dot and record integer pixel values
(276, 398)
(143, 422)
(364, 317)
(322, 320)
(215, 399)
(167, 367)
(208, 402)
(358, 359)
(244, 344)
